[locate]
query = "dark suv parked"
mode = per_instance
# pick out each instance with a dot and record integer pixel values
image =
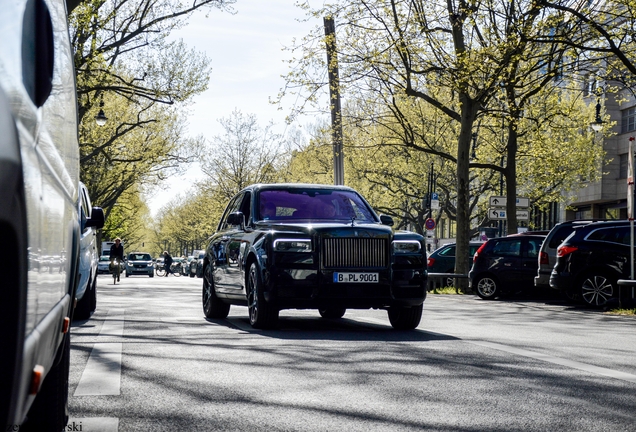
(591, 260)
(547, 254)
(505, 265)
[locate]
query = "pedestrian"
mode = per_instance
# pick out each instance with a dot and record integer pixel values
(116, 252)
(167, 262)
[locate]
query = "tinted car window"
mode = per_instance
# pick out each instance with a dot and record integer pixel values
(450, 251)
(613, 235)
(313, 204)
(231, 208)
(560, 235)
(533, 248)
(139, 257)
(507, 248)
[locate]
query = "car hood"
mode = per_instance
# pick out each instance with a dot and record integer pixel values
(331, 229)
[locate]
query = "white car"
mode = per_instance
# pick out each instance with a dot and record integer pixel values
(91, 219)
(103, 265)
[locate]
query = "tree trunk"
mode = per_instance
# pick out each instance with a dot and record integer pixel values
(469, 110)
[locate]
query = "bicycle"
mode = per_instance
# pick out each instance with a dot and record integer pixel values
(115, 269)
(160, 270)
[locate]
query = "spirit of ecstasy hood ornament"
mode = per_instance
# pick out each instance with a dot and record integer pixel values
(353, 219)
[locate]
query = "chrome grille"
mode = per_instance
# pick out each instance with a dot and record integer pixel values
(354, 252)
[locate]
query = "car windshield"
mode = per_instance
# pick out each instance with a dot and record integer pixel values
(139, 257)
(104, 258)
(314, 204)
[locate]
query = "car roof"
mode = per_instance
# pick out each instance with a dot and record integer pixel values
(604, 224)
(265, 186)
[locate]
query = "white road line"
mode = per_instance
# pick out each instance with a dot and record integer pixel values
(93, 424)
(531, 354)
(102, 374)
(560, 361)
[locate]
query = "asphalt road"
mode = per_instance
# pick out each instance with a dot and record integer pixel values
(148, 360)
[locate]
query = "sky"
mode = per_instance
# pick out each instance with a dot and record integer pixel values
(247, 60)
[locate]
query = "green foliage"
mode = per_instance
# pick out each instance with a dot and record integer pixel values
(127, 66)
(129, 220)
(185, 224)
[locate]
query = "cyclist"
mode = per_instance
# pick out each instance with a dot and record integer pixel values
(167, 262)
(116, 257)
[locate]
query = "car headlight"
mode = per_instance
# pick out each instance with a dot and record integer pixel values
(292, 245)
(406, 246)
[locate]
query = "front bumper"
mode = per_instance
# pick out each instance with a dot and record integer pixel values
(134, 270)
(294, 288)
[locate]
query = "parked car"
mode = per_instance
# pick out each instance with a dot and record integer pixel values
(591, 260)
(39, 192)
(199, 256)
(139, 263)
(442, 260)
(289, 246)
(505, 265)
(91, 219)
(103, 264)
(547, 254)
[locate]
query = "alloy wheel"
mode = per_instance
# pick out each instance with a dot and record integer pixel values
(596, 290)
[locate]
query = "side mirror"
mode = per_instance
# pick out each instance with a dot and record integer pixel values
(236, 219)
(97, 218)
(386, 220)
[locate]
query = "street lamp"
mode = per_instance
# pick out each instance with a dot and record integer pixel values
(597, 124)
(101, 118)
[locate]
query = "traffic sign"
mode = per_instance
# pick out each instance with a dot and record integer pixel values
(500, 201)
(496, 214)
(429, 223)
(434, 201)
(500, 214)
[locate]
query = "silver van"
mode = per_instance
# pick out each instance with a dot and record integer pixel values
(39, 221)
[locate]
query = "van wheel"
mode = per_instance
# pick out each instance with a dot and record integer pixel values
(597, 289)
(49, 411)
(94, 295)
(83, 307)
(487, 287)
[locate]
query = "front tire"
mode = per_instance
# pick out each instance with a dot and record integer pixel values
(94, 295)
(49, 411)
(332, 313)
(83, 307)
(487, 287)
(213, 307)
(262, 314)
(405, 318)
(597, 289)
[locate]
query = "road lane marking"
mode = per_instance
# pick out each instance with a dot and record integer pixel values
(93, 424)
(558, 360)
(102, 374)
(531, 354)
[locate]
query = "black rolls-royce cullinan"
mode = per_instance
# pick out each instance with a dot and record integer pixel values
(301, 246)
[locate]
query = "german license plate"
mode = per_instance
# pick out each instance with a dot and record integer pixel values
(355, 277)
